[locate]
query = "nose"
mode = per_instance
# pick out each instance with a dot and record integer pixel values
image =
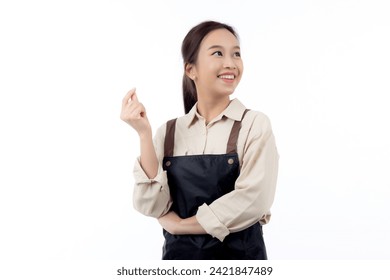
(229, 63)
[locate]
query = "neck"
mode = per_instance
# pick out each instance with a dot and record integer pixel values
(209, 109)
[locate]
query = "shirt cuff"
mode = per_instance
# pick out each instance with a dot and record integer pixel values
(207, 219)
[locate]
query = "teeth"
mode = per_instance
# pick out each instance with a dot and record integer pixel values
(229, 77)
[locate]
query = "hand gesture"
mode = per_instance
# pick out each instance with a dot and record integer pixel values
(134, 113)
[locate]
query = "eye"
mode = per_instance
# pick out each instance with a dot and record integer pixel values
(217, 53)
(237, 54)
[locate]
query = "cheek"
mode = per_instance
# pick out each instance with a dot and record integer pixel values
(212, 66)
(240, 66)
(209, 71)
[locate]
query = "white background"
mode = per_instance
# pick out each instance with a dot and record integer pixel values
(319, 69)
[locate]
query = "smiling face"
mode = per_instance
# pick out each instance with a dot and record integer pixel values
(219, 67)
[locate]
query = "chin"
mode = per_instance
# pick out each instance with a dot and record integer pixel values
(228, 91)
(224, 91)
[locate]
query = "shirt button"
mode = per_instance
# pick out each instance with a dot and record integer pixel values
(230, 161)
(168, 163)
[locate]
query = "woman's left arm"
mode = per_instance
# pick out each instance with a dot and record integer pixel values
(255, 187)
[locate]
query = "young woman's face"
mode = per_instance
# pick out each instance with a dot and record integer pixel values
(219, 66)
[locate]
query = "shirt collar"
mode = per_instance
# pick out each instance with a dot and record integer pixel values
(233, 111)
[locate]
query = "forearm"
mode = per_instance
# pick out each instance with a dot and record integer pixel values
(148, 159)
(190, 226)
(172, 223)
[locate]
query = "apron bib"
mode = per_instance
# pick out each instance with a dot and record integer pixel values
(197, 179)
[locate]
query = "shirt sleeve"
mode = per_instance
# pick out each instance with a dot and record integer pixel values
(151, 197)
(254, 191)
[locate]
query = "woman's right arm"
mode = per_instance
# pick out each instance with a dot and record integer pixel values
(134, 113)
(151, 194)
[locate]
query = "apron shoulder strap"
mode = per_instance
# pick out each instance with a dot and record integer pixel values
(169, 141)
(232, 143)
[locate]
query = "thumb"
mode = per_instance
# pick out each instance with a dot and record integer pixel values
(134, 96)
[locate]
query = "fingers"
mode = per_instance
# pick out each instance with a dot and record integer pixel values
(132, 109)
(128, 96)
(136, 110)
(134, 97)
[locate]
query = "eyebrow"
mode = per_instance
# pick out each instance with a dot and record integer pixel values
(220, 47)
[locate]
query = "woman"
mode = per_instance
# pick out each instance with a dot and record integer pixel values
(210, 175)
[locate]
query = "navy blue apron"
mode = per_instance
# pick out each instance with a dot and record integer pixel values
(197, 179)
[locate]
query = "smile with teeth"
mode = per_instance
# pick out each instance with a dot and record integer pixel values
(227, 77)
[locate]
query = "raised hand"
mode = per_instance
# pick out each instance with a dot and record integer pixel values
(134, 113)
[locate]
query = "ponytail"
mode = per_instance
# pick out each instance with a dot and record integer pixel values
(189, 93)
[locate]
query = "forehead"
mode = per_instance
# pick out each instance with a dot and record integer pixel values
(220, 37)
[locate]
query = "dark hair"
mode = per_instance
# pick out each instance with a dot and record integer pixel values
(190, 50)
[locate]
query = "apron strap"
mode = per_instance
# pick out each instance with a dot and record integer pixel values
(169, 138)
(232, 143)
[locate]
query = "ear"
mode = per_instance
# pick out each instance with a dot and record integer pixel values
(190, 71)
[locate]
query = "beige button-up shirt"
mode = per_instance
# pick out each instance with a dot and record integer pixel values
(254, 192)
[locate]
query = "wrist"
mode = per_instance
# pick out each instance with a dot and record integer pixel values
(145, 135)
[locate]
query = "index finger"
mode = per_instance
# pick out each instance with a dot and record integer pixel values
(128, 96)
